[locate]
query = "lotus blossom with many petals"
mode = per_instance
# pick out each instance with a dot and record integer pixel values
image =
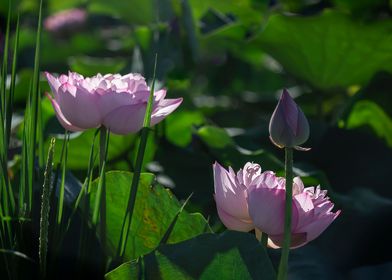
(117, 102)
(253, 199)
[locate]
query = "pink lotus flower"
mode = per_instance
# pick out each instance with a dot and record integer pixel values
(254, 199)
(117, 102)
(65, 20)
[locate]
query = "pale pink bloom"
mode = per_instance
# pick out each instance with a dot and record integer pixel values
(66, 19)
(252, 199)
(231, 193)
(117, 102)
(311, 215)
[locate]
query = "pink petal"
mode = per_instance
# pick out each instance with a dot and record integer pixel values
(298, 185)
(79, 106)
(266, 209)
(159, 95)
(303, 211)
(63, 79)
(228, 195)
(63, 121)
(135, 82)
(110, 101)
(125, 119)
(232, 174)
(164, 108)
(318, 225)
(268, 179)
(323, 208)
(53, 83)
(250, 172)
(233, 223)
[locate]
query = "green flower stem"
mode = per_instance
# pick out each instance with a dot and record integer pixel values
(100, 200)
(283, 265)
(102, 145)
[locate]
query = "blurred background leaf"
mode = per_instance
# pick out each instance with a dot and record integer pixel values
(326, 50)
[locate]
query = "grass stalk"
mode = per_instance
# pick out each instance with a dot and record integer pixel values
(169, 230)
(34, 118)
(4, 68)
(7, 202)
(10, 105)
(60, 231)
(45, 209)
(127, 221)
(10, 101)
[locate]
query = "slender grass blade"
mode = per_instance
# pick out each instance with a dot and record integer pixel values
(45, 209)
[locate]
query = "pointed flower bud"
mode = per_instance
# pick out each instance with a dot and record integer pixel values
(288, 126)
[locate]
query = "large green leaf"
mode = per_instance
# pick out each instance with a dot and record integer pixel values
(154, 211)
(366, 112)
(328, 50)
(231, 255)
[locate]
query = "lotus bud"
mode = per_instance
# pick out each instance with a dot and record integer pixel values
(288, 126)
